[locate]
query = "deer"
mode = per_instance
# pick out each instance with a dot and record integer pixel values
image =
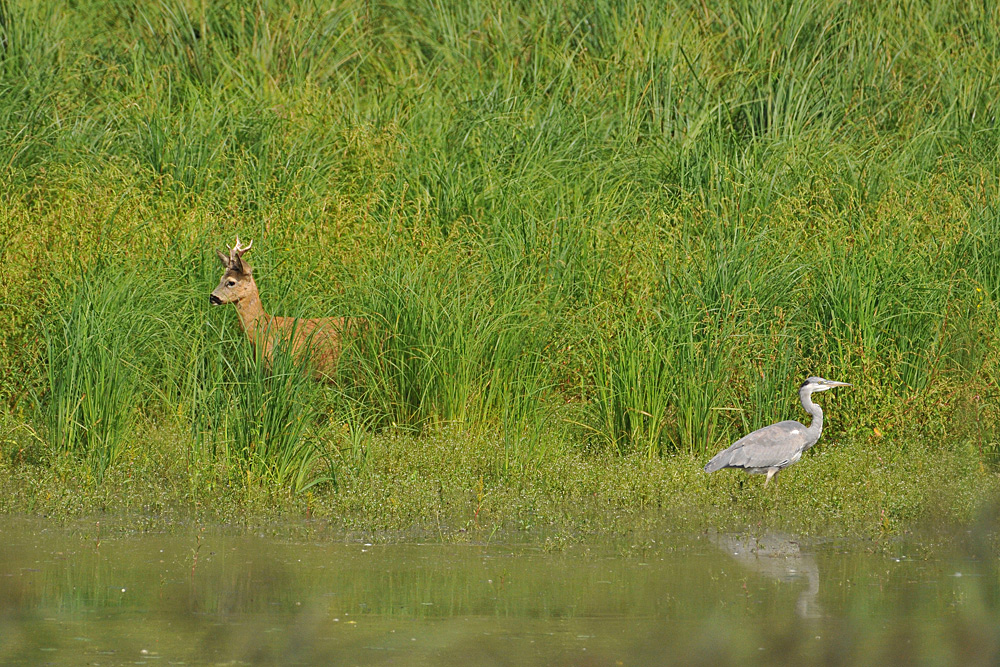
(321, 339)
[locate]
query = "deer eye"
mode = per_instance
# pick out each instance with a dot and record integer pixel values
(230, 283)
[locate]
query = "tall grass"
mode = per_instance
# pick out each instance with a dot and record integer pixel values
(256, 417)
(96, 375)
(667, 215)
(263, 412)
(444, 346)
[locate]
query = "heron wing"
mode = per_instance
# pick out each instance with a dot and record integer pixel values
(772, 446)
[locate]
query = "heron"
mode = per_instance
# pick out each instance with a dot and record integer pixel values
(773, 448)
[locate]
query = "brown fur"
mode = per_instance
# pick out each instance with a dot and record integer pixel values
(323, 338)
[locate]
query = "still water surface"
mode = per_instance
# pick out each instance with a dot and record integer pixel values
(70, 597)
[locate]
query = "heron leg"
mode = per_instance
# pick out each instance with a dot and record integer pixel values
(771, 472)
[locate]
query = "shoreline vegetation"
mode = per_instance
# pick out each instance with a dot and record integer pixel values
(596, 243)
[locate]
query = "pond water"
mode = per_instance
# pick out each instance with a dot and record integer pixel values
(73, 597)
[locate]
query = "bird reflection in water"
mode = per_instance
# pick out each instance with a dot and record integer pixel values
(780, 557)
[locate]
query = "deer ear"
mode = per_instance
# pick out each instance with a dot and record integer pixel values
(222, 258)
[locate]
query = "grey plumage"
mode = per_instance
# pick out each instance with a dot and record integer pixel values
(775, 447)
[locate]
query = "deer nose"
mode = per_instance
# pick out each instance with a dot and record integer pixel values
(214, 300)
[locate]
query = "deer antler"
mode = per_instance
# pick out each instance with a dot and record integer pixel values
(238, 251)
(242, 249)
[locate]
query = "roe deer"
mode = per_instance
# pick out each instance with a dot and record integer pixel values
(322, 338)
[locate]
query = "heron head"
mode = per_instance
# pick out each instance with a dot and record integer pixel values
(821, 384)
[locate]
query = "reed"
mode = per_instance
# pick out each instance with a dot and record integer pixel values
(629, 227)
(96, 375)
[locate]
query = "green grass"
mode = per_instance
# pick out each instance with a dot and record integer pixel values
(96, 373)
(579, 232)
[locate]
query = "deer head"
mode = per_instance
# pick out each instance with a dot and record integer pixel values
(237, 282)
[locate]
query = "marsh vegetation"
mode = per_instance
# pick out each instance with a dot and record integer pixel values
(599, 242)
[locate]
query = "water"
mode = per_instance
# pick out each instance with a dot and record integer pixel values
(72, 597)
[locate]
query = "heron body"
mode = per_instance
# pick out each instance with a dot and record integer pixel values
(773, 448)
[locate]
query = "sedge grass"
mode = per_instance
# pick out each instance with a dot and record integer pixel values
(610, 227)
(94, 381)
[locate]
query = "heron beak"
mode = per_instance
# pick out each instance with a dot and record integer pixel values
(834, 383)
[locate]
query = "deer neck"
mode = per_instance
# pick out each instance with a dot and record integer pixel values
(253, 319)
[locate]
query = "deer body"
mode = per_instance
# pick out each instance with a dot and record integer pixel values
(321, 338)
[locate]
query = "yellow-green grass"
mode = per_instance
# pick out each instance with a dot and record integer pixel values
(607, 237)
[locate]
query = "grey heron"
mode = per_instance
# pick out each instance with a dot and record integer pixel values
(775, 447)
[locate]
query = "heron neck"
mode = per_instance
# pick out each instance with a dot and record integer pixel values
(816, 427)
